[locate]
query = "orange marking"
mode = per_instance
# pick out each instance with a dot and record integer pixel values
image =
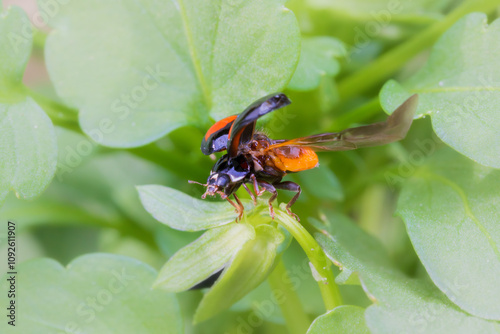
(219, 125)
(235, 143)
(294, 158)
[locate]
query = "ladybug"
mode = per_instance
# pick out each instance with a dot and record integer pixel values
(254, 158)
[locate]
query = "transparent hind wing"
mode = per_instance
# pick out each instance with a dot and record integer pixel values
(394, 128)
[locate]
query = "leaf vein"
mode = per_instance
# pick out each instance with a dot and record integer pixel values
(194, 56)
(162, 34)
(467, 208)
(214, 42)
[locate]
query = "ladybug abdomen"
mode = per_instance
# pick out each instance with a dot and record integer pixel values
(293, 158)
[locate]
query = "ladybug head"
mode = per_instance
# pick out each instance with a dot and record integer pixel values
(216, 182)
(218, 179)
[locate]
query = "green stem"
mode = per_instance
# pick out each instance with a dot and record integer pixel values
(390, 62)
(39, 38)
(296, 319)
(329, 290)
(58, 113)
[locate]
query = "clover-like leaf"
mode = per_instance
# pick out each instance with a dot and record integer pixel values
(459, 87)
(450, 208)
(248, 269)
(203, 257)
(406, 305)
(337, 243)
(183, 212)
(342, 319)
(16, 37)
(97, 293)
(317, 60)
(170, 63)
(402, 305)
(28, 150)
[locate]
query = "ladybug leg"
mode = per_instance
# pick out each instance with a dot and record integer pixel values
(269, 187)
(251, 194)
(291, 186)
(239, 207)
(258, 192)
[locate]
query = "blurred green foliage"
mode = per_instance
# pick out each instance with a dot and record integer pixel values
(132, 88)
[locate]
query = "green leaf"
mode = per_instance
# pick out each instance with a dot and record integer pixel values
(342, 319)
(183, 212)
(459, 87)
(197, 59)
(249, 268)
(450, 208)
(97, 293)
(317, 60)
(401, 304)
(365, 256)
(203, 257)
(15, 48)
(406, 305)
(28, 150)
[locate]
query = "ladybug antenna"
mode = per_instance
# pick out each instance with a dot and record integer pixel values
(195, 182)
